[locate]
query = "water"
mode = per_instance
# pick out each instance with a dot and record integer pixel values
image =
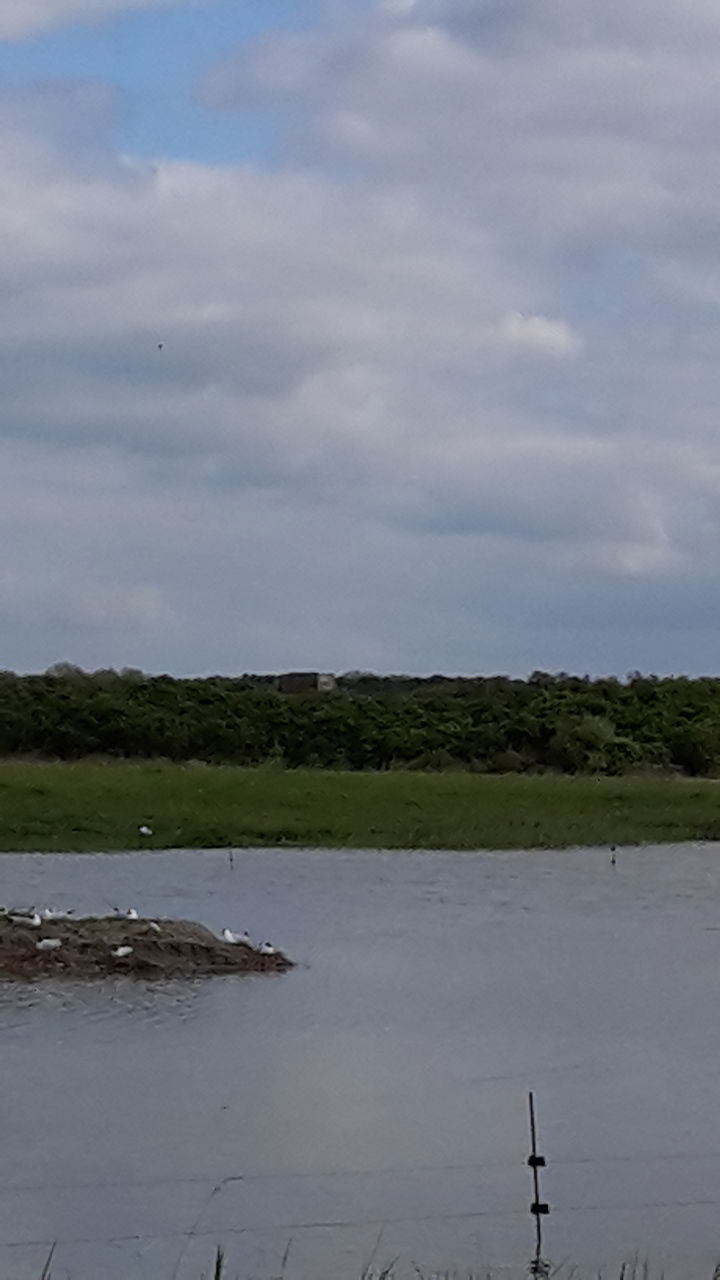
(372, 1103)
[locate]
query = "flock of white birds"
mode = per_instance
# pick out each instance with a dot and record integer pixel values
(32, 918)
(244, 940)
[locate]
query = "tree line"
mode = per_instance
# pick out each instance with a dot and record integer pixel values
(496, 724)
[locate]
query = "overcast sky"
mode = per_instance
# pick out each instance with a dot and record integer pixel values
(345, 334)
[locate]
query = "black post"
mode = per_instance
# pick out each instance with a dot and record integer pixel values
(539, 1208)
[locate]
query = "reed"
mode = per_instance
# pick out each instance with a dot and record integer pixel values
(635, 1269)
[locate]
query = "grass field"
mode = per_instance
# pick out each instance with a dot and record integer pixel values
(89, 806)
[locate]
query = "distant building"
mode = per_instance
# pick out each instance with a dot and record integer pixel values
(306, 682)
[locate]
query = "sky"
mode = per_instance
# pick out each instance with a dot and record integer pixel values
(360, 334)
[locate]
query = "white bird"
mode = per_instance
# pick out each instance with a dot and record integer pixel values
(131, 914)
(30, 921)
(121, 952)
(49, 913)
(267, 949)
(154, 926)
(48, 944)
(145, 830)
(242, 939)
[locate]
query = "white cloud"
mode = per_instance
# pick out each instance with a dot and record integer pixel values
(539, 334)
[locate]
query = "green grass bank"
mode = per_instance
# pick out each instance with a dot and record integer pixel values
(94, 806)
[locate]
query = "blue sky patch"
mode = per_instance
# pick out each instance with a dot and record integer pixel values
(157, 57)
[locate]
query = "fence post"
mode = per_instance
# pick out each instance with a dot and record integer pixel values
(539, 1208)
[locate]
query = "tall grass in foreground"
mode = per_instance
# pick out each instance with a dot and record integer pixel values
(634, 1270)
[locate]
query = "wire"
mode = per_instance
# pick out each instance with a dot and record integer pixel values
(344, 1223)
(392, 1171)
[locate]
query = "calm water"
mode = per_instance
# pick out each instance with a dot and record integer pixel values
(384, 1080)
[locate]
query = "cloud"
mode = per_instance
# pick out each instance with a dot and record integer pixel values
(539, 334)
(564, 125)
(20, 19)
(436, 389)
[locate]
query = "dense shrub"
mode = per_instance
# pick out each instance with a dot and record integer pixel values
(495, 724)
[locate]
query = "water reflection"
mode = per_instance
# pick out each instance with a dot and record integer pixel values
(146, 1002)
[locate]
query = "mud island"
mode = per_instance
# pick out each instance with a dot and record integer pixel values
(37, 944)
